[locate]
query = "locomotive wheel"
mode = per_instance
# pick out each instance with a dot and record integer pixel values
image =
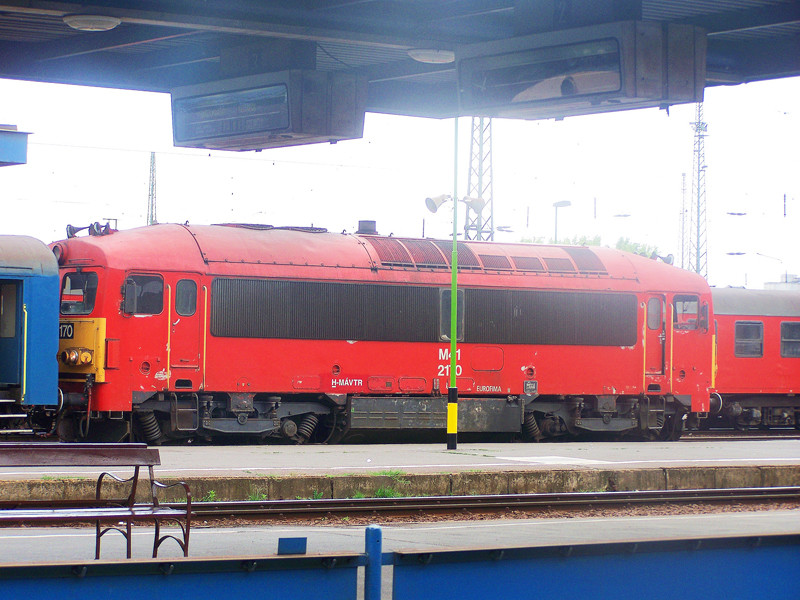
(672, 429)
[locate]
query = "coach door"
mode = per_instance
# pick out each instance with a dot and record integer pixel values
(10, 332)
(655, 343)
(186, 323)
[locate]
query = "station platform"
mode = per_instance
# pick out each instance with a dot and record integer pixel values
(269, 472)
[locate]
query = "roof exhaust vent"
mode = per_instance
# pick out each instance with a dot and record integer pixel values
(367, 228)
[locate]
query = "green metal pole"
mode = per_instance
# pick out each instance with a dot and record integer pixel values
(452, 391)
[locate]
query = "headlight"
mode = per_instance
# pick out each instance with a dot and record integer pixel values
(76, 356)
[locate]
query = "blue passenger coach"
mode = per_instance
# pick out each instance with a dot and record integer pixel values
(28, 333)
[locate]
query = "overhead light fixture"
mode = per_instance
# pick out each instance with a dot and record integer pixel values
(432, 56)
(91, 22)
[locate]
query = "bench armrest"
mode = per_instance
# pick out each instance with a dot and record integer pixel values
(133, 480)
(156, 485)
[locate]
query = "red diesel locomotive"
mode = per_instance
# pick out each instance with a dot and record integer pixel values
(178, 331)
(758, 356)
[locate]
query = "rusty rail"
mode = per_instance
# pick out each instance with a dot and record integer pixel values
(274, 509)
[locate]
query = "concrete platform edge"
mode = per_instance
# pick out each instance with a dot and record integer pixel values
(438, 484)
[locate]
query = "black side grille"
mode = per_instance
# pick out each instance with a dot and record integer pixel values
(255, 308)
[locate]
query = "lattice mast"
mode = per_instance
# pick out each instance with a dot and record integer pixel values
(479, 225)
(698, 230)
(151, 196)
(684, 224)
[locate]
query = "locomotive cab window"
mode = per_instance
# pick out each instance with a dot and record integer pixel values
(186, 297)
(143, 295)
(790, 339)
(654, 314)
(444, 315)
(686, 311)
(749, 339)
(78, 293)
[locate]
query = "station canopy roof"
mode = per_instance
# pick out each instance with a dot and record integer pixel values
(397, 45)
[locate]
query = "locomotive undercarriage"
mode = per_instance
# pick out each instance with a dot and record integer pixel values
(174, 417)
(642, 417)
(744, 412)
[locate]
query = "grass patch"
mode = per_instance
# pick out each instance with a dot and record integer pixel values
(384, 492)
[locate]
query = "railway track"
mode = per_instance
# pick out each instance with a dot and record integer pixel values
(731, 434)
(438, 505)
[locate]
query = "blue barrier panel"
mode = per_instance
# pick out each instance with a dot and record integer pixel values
(329, 577)
(373, 545)
(708, 569)
(13, 146)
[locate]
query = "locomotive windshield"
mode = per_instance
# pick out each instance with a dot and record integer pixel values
(686, 311)
(78, 293)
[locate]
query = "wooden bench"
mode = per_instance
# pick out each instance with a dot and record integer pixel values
(107, 513)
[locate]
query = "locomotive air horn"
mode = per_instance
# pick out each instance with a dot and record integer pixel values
(669, 259)
(72, 231)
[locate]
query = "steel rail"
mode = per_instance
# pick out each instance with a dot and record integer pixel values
(270, 509)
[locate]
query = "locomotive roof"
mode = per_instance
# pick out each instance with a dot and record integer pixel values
(20, 254)
(246, 249)
(756, 303)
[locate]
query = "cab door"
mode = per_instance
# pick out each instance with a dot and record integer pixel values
(186, 323)
(655, 344)
(10, 332)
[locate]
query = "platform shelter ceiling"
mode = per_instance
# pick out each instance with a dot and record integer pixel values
(161, 44)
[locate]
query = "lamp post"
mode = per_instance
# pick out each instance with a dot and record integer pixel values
(557, 205)
(785, 270)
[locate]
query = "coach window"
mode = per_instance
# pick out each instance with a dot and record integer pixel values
(186, 297)
(78, 292)
(685, 315)
(143, 295)
(790, 339)
(444, 315)
(8, 310)
(749, 339)
(654, 313)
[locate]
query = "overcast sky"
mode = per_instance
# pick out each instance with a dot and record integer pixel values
(89, 160)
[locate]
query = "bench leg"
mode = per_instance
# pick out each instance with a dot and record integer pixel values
(184, 543)
(128, 537)
(156, 541)
(99, 533)
(97, 540)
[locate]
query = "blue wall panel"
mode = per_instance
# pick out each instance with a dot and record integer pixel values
(650, 570)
